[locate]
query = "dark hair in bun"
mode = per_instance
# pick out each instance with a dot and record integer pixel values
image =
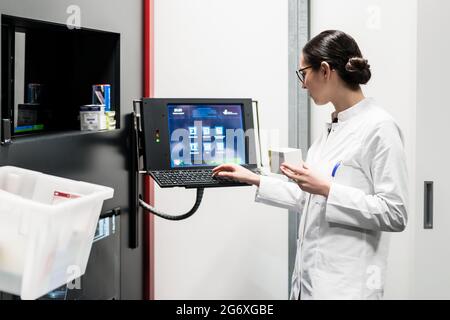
(342, 54)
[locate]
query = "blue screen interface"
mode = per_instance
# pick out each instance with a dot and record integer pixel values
(206, 135)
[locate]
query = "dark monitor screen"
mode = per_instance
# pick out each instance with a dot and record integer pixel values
(186, 133)
(206, 134)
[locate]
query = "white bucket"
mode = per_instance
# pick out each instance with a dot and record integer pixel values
(47, 226)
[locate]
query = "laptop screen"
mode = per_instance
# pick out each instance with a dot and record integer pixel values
(206, 134)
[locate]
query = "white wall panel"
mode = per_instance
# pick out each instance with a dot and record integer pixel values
(232, 248)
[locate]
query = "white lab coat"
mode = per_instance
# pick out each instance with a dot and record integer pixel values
(343, 239)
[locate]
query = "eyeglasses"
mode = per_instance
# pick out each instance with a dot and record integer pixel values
(301, 74)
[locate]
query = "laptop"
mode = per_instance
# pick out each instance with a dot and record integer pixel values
(184, 139)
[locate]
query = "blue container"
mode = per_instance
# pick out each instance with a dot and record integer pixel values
(101, 94)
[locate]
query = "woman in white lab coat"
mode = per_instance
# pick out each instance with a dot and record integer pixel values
(351, 191)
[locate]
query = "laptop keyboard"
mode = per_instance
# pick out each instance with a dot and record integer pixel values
(189, 178)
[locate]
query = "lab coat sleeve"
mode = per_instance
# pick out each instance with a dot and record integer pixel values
(280, 193)
(386, 208)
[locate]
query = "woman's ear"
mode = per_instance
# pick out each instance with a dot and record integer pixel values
(325, 70)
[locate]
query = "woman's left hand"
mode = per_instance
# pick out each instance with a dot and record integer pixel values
(307, 179)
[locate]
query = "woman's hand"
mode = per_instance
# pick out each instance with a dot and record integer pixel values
(307, 179)
(236, 173)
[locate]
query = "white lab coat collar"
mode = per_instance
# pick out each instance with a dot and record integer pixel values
(352, 111)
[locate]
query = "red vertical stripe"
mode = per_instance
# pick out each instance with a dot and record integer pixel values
(149, 194)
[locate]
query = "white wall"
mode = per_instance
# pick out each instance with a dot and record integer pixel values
(232, 248)
(386, 32)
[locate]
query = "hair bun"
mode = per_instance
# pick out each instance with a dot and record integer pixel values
(359, 69)
(357, 64)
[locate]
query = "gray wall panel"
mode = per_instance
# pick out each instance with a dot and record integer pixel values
(299, 102)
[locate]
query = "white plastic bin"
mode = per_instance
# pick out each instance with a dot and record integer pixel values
(47, 226)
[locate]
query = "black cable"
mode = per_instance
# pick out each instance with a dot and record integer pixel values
(198, 200)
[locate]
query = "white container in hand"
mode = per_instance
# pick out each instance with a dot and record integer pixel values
(284, 155)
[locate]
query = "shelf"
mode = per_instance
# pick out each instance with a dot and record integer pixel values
(49, 71)
(60, 135)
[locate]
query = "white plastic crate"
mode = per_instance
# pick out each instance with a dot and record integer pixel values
(47, 226)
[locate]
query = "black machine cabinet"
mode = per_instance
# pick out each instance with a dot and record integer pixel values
(67, 63)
